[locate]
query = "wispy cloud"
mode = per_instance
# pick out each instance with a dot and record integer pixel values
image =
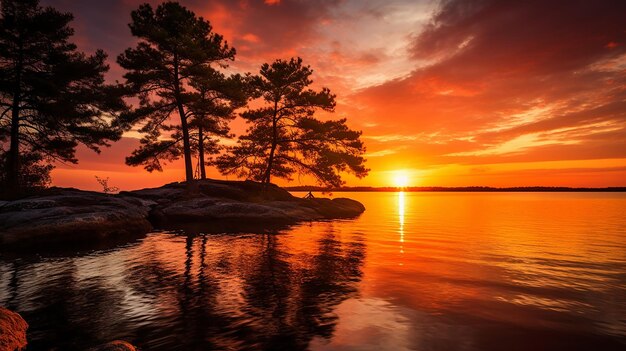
(432, 83)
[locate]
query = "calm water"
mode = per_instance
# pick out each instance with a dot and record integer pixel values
(417, 271)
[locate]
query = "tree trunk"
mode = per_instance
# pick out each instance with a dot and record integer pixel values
(13, 158)
(186, 145)
(201, 152)
(183, 124)
(268, 172)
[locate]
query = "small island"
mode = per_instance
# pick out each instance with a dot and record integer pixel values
(177, 95)
(184, 175)
(63, 215)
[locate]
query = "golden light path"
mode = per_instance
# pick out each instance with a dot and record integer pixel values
(401, 202)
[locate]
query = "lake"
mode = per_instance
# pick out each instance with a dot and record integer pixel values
(416, 271)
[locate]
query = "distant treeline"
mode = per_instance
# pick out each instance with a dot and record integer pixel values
(456, 189)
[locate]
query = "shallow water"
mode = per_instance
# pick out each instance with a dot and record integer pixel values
(417, 271)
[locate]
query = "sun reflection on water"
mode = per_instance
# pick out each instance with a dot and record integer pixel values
(533, 268)
(401, 219)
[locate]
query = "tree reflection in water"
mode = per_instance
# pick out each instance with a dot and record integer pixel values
(190, 291)
(293, 300)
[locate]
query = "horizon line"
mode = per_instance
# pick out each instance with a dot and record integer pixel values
(474, 188)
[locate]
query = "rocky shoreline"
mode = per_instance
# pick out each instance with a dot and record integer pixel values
(66, 215)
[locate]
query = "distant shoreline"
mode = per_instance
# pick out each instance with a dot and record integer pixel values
(458, 189)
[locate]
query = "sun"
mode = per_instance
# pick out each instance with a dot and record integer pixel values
(401, 179)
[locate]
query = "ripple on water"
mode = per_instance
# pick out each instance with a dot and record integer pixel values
(453, 271)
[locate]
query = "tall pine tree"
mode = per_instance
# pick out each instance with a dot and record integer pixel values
(52, 96)
(285, 137)
(174, 47)
(212, 107)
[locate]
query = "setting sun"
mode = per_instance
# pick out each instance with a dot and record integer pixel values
(291, 174)
(401, 179)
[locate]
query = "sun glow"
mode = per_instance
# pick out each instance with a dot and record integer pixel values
(401, 179)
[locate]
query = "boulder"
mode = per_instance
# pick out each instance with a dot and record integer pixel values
(12, 331)
(68, 215)
(203, 209)
(337, 208)
(245, 191)
(247, 201)
(117, 345)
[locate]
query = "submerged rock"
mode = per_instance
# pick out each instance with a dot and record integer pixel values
(12, 331)
(70, 215)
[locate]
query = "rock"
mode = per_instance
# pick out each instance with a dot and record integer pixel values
(215, 200)
(215, 209)
(245, 191)
(117, 345)
(338, 207)
(68, 215)
(12, 331)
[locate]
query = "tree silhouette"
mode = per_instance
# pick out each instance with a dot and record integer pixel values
(212, 106)
(285, 137)
(175, 46)
(34, 174)
(52, 96)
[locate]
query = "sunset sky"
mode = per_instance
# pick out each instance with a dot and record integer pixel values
(453, 93)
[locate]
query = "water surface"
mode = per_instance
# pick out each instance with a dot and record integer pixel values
(417, 271)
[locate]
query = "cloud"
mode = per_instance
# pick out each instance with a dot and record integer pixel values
(516, 79)
(381, 153)
(430, 83)
(281, 28)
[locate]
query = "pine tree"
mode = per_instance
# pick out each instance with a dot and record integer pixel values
(212, 107)
(174, 47)
(52, 96)
(285, 137)
(34, 172)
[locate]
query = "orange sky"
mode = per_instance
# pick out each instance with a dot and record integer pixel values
(459, 93)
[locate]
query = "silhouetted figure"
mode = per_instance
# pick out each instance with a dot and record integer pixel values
(309, 196)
